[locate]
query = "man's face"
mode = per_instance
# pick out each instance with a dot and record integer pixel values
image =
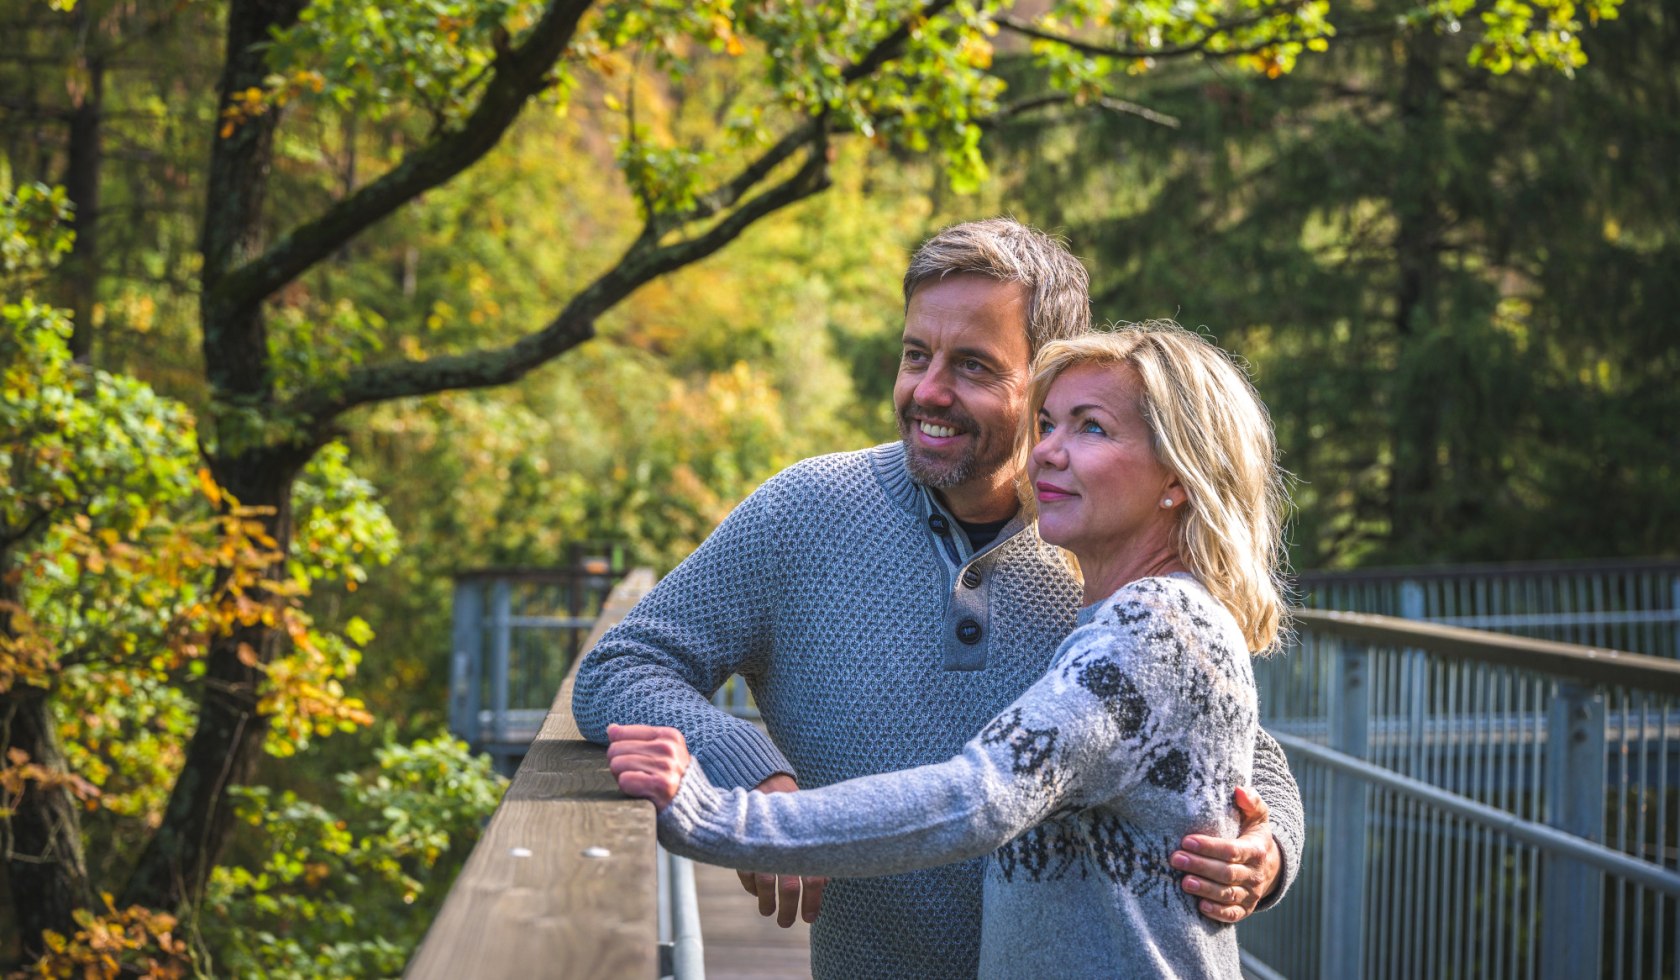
(962, 379)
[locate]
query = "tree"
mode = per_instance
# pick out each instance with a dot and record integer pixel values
(1407, 238)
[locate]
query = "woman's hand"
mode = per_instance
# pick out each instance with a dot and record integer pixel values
(648, 761)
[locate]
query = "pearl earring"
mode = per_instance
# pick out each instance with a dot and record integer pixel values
(1166, 503)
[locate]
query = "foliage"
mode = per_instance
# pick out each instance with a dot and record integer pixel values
(114, 943)
(1412, 251)
(33, 232)
(349, 891)
(127, 560)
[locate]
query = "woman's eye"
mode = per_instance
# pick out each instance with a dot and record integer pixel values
(1092, 427)
(1045, 426)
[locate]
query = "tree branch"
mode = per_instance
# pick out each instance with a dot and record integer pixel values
(726, 195)
(893, 42)
(643, 262)
(1022, 107)
(520, 73)
(1201, 45)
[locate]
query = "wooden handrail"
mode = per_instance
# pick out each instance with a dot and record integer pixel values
(562, 884)
(1592, 664)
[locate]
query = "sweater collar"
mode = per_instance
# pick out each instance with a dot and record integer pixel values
(892, 469)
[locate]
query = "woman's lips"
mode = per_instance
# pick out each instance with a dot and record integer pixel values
(1049, 491)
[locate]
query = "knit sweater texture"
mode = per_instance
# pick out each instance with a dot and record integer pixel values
(873, 639)
(1079, 791)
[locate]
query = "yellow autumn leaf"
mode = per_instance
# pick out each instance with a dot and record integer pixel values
(206, 482)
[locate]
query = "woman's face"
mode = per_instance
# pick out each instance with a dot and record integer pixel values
(1098, 483)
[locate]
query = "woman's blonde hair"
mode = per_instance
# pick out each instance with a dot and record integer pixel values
(1209, 427)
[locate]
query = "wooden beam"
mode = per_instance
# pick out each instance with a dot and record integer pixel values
(563, 882)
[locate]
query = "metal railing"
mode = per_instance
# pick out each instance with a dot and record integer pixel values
(682, 954)
(1621, 605)
(1478, 805)
(517, 632)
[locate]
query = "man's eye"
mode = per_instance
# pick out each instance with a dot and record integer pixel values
(972, 365)
(911, 354)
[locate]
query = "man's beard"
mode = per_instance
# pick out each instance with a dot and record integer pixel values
(935, 472)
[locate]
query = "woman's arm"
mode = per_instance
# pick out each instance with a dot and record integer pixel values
(1085, 732)
(884, 824)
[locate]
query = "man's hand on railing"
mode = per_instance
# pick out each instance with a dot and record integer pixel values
(787, 896)
(1232, 876)
(648, 761)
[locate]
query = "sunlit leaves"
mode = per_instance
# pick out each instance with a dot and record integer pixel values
(19, 774)
(369, 57)
(129, 561)
(911, 75)
(306, 908)
(1519, 35)
(665, 178)
(34, 228)
(340, 526)
(134, 941)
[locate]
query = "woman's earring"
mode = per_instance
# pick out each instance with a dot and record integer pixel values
(1166, 503)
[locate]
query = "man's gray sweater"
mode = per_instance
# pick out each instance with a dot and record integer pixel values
(873, 640)
(1138, 734)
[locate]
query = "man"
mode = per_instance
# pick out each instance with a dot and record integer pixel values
(883, 605)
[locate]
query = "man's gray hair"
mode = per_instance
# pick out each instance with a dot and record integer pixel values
(1008, 251)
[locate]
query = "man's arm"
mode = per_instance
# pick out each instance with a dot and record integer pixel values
(710, 618)
(1236, 877)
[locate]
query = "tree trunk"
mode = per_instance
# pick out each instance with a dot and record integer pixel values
(1416, 202)
(226, 746)
(42, 840)
(81, 185)
(255, 464)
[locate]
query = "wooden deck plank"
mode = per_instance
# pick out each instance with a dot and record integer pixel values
(741, 944)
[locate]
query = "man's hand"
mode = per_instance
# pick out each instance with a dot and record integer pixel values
(1232, 876)
(784, 898)
(648, 761)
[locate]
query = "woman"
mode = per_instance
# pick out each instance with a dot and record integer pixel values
(1152, 461)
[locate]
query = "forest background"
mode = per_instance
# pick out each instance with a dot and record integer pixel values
(282, 352)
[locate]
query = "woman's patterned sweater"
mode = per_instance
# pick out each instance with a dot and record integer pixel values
(1138, 734)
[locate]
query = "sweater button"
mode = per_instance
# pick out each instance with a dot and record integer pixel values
(971, 578)
(968, 631)
(939, 524)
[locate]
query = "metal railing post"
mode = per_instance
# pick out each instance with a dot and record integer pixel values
(501, 642)
(1572, 894)
(1416, 677)
(466, 662)
(688, 955)
(1343, 936)
(1675, 608)
(1411, 600)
